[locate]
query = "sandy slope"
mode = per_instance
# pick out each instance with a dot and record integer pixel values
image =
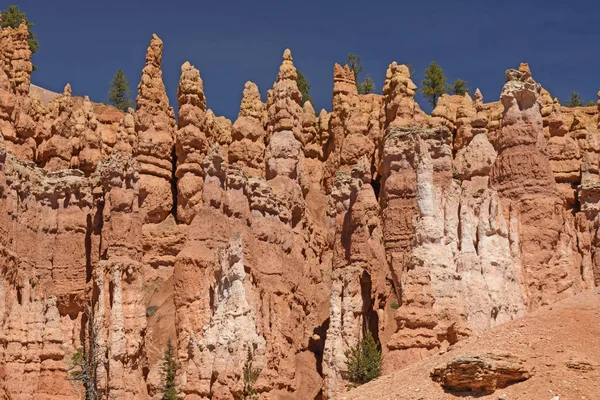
(561, 341)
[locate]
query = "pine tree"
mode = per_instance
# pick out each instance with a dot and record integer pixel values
(169, 369)
(304, 88)
(591, 103)
(119, 92)
(355, 66)
(434, 83)
(364, 360)
(365, 86)
(574, 101)
(12, 17)
(459, 87)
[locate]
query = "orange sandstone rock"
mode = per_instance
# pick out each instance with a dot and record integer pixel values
(292, 233)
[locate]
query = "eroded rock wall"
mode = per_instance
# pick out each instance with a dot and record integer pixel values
(285, 233)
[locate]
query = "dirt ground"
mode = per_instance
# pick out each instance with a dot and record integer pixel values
(560, 341)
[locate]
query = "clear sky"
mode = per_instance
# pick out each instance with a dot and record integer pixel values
(83, 42)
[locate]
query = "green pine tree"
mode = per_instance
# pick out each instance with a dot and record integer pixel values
(365, 86)
(574, 101)
(119, 92)
(459, 87)
(304, 88)
(591, 103)
(434, 83)
(355, 66)
(169, 369)
(12, 17)
(364, 360)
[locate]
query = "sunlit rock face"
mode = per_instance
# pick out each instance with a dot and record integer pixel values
(287, 233)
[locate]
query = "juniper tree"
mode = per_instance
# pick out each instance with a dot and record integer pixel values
(119, 92)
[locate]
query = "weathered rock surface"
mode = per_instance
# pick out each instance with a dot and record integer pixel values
(155, 129)
(481, 374)
(285, 232)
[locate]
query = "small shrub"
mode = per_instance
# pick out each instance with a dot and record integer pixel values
(395, 305)
(363, 361)
(250, 377)
(150, 311)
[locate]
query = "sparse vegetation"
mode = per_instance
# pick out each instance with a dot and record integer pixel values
(151, 310)
(574, 101)
(119, 92)
(434, 83)
(304, 88)
(250, 377)
(87, 359)
(459, 87)
(364, 361)
(395, 305)
(365, 86)
(12, 17)
(169, 368)
(411, 71)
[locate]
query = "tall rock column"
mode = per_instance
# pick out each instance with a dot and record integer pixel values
(155, 126)
(430, 308)
(247, 149)
(284, 150)
(117, 275)
(523, 177)
(399, 106)
(345, 100)
(17, 110)
(397, 167)
(21, 60)
(358, 275)
(191, 143)
(589, 197)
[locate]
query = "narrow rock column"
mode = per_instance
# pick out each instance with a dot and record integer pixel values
(284, 151)
(523, 177)
(155, 126)
(247, 149)
(120, 308)
(191, 143)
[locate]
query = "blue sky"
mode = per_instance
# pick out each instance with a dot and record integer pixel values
(231, 42)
